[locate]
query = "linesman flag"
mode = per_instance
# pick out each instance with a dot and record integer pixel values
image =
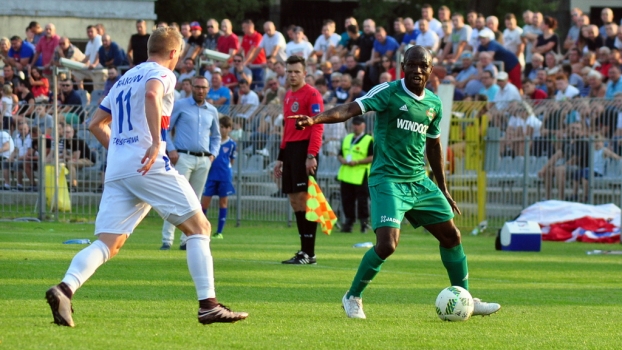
(318, 208)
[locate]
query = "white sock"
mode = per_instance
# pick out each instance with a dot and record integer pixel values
(85, 263)
(201, 265)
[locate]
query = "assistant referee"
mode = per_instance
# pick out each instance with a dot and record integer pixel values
(298, 155)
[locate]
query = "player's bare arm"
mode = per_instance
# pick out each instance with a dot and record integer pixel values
(100, 127)
(153, 111)
(434, 152)
(334, 115)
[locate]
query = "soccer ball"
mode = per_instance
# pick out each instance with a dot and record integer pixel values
(454, 304)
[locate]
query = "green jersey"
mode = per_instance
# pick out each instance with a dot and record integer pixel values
(403, 122)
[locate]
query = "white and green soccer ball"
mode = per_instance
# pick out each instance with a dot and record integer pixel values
(454, 304)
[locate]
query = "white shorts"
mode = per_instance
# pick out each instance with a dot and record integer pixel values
(125, 202)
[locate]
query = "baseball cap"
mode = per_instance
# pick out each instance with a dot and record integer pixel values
(195, 26)
(466, 54)
(358, 120)
(502, 76)
(217, 70)
(486, 33)
(298, 29)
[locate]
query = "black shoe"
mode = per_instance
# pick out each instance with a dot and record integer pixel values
(346, 228)
(61, 306)
(165, 246)
(364, 226)
(220, 314)
(301, 258)
(182, 246)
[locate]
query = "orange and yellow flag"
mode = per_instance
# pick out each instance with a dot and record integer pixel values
(318, 208)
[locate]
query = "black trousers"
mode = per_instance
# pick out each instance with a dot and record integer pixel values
(355, 200)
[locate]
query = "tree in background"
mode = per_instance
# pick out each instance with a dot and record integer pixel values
(202, 10)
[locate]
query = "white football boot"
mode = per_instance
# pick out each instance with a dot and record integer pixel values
(353, 306)
(483, 308)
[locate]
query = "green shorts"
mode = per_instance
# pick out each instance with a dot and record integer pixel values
(421, 202)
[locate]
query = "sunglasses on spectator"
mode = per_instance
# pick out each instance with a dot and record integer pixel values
(200, 87)
(237, 61)
(65, 85)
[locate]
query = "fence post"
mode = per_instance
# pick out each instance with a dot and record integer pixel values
(55, 138)
(238, 194)
(590, 176)
(41, 161)
(526, 170)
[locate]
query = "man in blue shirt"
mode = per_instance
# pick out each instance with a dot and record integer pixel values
(110, 54)
(615, 83)
(384, 45)
(21, 53)
(490, 87)
(195, 144)
(219, 95)
(410, 38)
(509, 59)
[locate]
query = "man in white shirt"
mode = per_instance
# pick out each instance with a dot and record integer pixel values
(565, 91)
(326, 43)
(507, 92)
(7, 146)
(435, 25)
(140, 176)
(428, 38)
(92, 69)
(298, 46)
(480, 23)
(512, 38)
(530, 35)
(249, 100)
(273, 42)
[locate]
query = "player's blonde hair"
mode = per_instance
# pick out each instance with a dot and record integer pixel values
(163, 40)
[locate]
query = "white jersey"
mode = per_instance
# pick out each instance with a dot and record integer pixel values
(130, 136)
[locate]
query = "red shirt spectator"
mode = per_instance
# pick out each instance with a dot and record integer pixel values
(538, 95)
(225, 43)
(47, 44)
(251, 40)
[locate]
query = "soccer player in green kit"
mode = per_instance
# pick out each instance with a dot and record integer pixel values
(407, 122)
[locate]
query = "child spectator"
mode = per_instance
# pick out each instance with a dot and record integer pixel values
(220, 177)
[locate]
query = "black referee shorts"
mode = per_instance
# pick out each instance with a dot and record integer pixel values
(294, 157)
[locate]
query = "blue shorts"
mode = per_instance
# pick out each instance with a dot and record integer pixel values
(218, 188)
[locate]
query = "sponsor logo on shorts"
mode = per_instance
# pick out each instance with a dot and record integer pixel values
(411, 126)
(301, 184)
(385, 218)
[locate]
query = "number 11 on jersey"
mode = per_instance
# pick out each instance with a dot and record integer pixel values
(127, 110)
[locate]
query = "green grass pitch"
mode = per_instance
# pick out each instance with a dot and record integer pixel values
(144, 298)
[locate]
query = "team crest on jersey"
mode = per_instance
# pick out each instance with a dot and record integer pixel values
(295, 107)
(431, 113)
(225, 149)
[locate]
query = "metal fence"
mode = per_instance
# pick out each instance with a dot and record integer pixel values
(499, 161)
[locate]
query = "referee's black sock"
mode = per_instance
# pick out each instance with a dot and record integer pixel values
(306, 230)
(308, 238)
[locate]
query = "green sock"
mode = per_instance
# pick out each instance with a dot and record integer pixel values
(456, 264)
(369, 268)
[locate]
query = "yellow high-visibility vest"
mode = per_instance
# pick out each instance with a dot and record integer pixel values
(355, 152)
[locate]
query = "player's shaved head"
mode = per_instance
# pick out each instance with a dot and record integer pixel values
(417, 52)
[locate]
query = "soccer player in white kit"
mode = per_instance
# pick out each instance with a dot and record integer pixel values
(132, 122)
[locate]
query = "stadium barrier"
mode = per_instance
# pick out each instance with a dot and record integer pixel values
(494, 161)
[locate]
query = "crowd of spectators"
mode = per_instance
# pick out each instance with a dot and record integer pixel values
(515, 68)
